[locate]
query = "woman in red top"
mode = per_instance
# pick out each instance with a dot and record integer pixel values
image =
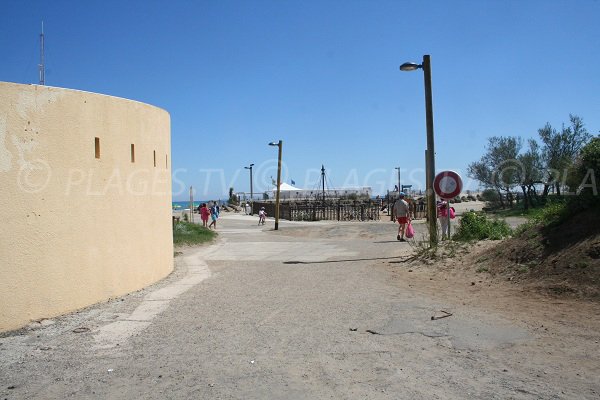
(204, 213)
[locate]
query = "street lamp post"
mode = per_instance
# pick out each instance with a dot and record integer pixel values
(399, 186)
(251, 191)
(430, 161)
(279, 144)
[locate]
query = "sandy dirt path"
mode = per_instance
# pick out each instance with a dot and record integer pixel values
(313, 311)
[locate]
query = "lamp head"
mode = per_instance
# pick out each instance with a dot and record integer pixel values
(409, 66)
(274, 143)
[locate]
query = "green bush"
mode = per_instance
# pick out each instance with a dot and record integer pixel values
(490, 195)
(556, 211)
(526, 230)
(476, 226)
(584, 174)
(187, 233)
(553, 213)
(584, 178)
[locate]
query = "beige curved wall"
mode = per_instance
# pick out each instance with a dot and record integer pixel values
(77, 229)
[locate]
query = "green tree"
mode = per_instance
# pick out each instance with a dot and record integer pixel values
(530, 172)
(498, 168)
(560, 148)
(584, 175)
(233, 199)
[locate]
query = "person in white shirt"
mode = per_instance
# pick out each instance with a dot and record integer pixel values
(262, 215)
(402, 215)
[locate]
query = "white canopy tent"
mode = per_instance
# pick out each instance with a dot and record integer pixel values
(285, 187)
(287, 191)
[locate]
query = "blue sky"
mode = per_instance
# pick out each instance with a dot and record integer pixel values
(320, 75)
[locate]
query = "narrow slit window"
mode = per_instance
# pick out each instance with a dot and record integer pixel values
(97, 147)
(166, 161)
(132, 152)
(155, 158)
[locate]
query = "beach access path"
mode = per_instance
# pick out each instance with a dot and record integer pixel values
(321, 310)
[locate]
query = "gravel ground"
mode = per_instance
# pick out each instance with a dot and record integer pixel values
(312, 311)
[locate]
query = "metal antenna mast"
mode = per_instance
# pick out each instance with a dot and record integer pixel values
(41, 65)
(323, 180)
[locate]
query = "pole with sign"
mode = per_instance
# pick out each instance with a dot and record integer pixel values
(447, 185)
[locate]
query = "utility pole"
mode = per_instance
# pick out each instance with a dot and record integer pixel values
(431, 209)
(279, 144)
(430, 154)
(323, 181)
(251, 191)
(41, 65)
(191, 219)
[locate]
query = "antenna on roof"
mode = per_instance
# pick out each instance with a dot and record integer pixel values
(41, 65)
(323, 180)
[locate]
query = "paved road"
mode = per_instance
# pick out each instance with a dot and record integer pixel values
(301, 313)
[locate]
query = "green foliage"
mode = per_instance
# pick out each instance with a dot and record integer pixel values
(525, 230)
(504, 167)
(477, 226)
(584, 176)
(590, 155)
(490, 195)
(497, 169)
(441, 250)
(529, 169)
(187, 233)
(233, 199)
(555, 212)
(559, 148)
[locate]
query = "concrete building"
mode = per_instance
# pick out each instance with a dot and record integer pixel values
(86, 200)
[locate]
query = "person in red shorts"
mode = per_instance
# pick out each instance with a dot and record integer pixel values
(402, 214)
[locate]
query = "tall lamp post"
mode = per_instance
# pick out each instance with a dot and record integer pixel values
(279, 144)
(392, 216)
(399, 186)
(430, 154)
(251, 192)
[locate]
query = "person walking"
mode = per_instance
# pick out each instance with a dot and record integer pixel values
(402, 215)
(214, 215)
(204, 214)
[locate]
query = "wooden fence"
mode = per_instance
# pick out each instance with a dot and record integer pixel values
(318, 211)
(340, 210)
